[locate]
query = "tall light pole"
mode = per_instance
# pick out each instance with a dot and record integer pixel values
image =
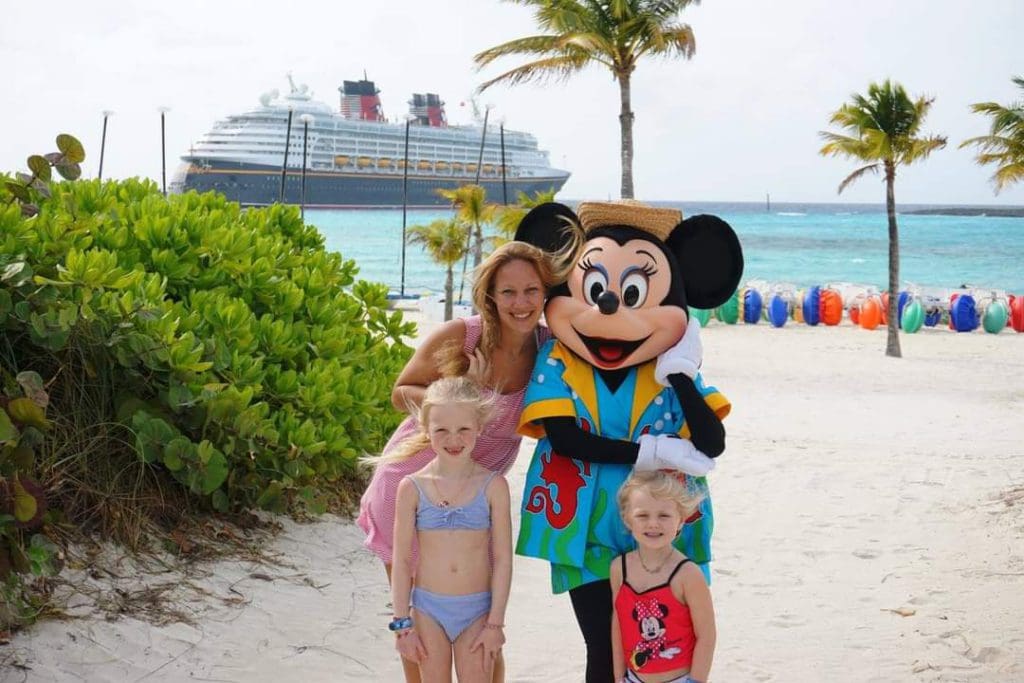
(103, 140)
(306, 120)
(163, 149)
(476, 181)
(287, 144)
(405, 201)
(504, 182)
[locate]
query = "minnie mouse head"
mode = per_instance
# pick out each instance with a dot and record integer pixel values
(637, 268)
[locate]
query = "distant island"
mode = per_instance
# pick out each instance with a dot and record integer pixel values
(1003, 212)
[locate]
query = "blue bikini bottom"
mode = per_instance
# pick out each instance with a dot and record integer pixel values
(454, 613)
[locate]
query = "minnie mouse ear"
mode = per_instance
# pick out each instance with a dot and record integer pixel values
(710, 257)
(545, 226)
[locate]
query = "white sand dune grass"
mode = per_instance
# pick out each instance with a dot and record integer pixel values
(870, 527)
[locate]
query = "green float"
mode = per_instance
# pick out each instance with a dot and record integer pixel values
(913, 317)
(729, 312)
(995, 317)
(702, 315)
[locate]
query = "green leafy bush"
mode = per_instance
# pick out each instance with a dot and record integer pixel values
(224, 345)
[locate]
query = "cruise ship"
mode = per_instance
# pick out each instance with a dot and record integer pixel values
(355, 158)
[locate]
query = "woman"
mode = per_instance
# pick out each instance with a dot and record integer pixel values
(497, 349)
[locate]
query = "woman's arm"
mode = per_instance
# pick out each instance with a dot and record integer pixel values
(408, 645)
(422, 368)
(693, 589)
(618, 656)
(492, 637)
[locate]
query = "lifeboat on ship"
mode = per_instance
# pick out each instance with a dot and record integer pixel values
(458, 166)
(471, 168)
(425, 166)
(384, 162)
(441, 166)
(489, 169)
(341, 160)
(364, 162)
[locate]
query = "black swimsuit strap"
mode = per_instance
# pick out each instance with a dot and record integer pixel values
(678, 567)
(623, 558)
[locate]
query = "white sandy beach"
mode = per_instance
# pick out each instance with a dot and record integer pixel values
(870, 527)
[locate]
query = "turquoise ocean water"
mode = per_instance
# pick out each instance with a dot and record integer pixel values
(802, 244)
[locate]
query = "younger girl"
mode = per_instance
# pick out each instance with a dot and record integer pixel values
(451, 602)
(663, 623)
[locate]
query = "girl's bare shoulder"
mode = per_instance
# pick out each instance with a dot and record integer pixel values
(688, 579)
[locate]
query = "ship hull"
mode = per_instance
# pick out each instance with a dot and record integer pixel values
(255, 185)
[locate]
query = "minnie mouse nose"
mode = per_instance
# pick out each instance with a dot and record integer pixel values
(608, 302)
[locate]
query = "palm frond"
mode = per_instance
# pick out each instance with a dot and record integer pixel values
(1007, 175)
(1004, 145)
(530, 45)
(842, 145)
(853, 177)
(550, 69)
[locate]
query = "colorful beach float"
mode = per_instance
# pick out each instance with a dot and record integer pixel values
(967, 309)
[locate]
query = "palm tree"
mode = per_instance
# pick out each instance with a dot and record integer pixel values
(472, 209)
(445, 241)
(508, 217)
(1004, 145)
(614, 33)
(884, 129)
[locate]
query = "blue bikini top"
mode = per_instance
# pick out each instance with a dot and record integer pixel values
(476, 514)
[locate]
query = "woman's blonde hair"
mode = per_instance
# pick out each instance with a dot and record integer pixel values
(660, 485)
(552, 269)
(445, 391)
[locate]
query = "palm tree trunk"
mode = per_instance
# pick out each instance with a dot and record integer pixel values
(626, 128)
(892, 346)
(478, 245)
(449, 293)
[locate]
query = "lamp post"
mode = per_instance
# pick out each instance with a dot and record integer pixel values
(287, 144)
(103, 140)
(504, 182)
(306, 120)
(476, 181)
(405, 201)
(163, 149)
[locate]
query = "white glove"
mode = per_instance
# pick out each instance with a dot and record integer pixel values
(685, 357)
(667, 452)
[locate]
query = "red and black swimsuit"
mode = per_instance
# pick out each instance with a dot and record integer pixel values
(656, 629)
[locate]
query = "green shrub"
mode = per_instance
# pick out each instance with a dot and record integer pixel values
(224, 345)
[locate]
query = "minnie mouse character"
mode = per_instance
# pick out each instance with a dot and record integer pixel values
(650, 619)
(619, 388)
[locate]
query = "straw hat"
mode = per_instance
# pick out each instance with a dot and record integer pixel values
(659, 222)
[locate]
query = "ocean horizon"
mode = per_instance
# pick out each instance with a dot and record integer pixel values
(799, 244)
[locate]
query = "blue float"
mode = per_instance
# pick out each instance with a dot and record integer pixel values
(812, 306)
(778, 311)
(752, 304)
(964, 314)
(905, 298)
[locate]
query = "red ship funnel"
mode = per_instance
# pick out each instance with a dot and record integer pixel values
(360, 100)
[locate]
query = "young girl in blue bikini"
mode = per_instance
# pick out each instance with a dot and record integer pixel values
(450, 596)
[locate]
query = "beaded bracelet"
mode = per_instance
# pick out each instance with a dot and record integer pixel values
(400, 624)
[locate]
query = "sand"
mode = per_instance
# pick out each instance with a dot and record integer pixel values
(870, 527)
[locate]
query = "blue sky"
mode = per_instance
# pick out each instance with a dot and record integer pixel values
(737, 121)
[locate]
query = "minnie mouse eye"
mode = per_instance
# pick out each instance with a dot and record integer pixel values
(634, 290)
(594, 284)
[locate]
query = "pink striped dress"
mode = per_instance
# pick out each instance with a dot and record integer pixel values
(496, 450)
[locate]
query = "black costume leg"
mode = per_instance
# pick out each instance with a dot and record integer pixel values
(592, 603)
